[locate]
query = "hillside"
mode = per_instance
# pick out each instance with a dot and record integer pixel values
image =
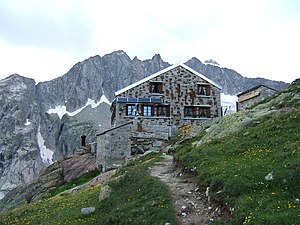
(247, 163)
(250, 161)
(52, 115)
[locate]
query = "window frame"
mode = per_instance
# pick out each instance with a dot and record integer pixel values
(133, 111)
(147, 110)
(197, 112)
(205, 87)
(165, 108)
(156, 87)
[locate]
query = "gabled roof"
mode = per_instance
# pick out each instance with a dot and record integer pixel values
(254, 88)
(164, 71)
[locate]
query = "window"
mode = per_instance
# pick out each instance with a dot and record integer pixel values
(204, 89)
(163, 111)
(188, 111)
(131, 110)
(203, 112)
(156, 87)
(147, 110)
(197, 112)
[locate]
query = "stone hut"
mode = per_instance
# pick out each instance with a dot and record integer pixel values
(147, 113)
(254, 95)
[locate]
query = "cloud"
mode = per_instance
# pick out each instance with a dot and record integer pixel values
(43, 24)
(256, 38)
(36, 63)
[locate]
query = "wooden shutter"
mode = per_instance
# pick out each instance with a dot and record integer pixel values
(150, 87)
(161, 88)
(152, 110)
(208, 90)
(208, 112)
(194, 112)
(142, 112)
(126, 110)
(168, 110)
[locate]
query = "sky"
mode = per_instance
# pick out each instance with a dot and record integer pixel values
(43, 39)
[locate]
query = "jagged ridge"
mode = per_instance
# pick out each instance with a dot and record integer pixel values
(24, 102)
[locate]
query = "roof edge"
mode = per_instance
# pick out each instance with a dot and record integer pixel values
(253, 88)
(201, 75)
(163, 71)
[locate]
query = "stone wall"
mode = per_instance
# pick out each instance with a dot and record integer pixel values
(113, 147)
(180, 89)
(149, 136)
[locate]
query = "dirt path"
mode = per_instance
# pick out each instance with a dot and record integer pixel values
(191, 205)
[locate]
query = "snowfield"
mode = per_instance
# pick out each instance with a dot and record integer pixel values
(62, 110)
(46, 154)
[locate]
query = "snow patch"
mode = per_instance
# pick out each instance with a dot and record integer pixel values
(211, 62)
(62, 110)
(228, 103)
(104, 99)
(27, 122)
(46, 154)
(1, 195)
(59, 110)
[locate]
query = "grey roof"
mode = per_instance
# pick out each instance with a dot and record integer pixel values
(253, 88)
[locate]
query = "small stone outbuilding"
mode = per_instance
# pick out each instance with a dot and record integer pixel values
(147, 113)
(254, 95)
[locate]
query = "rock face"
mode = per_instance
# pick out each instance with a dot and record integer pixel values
(231, 81)
(50, 178)
(19, 155)
(43, 122)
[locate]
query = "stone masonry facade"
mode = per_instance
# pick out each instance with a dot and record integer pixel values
(254, 95)
(156, 109)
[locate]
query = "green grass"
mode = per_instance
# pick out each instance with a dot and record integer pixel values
(136, 198)
(236, 166)
(73, 183)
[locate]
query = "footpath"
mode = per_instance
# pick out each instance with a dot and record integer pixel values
(192, 206)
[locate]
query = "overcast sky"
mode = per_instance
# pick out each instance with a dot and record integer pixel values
(43, 39)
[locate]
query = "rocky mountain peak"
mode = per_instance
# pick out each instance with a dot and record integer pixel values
(135, 59)
(157, 58)
(120, 54)
(59, 111)
(194, 60)
(212, 62)
(16, 78)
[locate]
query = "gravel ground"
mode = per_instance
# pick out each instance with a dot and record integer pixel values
(192, 205)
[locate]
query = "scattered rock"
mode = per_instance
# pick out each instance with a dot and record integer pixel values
(246, 134)
(269, 176)
(88, 210)
(189, 202)
(104, 193)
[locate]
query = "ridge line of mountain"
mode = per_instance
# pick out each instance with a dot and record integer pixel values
(25, 104)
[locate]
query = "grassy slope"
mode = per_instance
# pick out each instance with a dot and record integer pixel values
(235, 166)
(136, 198)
